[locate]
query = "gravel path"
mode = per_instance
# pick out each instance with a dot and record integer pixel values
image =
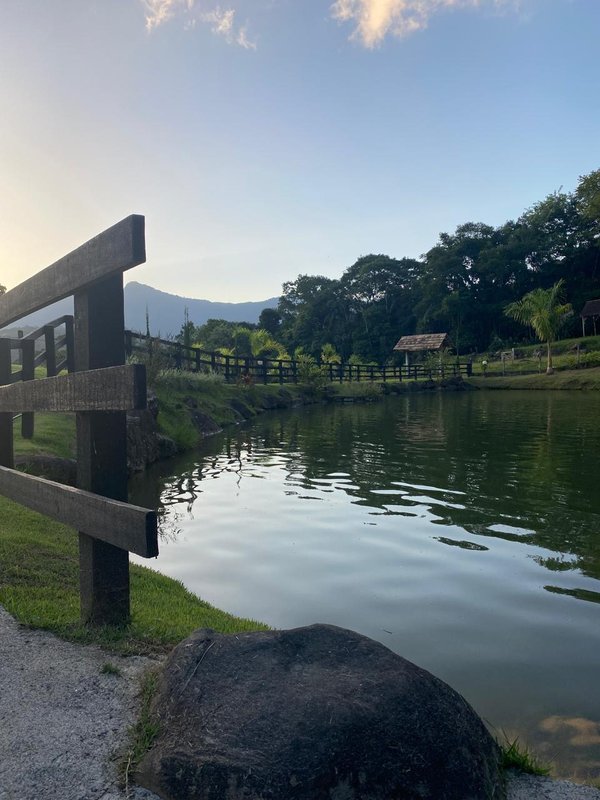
(63, 722)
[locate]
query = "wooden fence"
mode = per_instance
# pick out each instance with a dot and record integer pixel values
(29, 356)
(270, 370)
(100, 389)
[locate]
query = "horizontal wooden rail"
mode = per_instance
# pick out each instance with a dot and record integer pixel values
(125, 526)
(108, 389)
(114, 250)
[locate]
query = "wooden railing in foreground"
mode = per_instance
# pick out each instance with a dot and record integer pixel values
(100, 391)
(271, 370)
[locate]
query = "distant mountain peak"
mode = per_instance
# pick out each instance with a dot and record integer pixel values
(166, 311)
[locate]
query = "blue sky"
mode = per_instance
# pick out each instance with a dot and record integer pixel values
(267, 138)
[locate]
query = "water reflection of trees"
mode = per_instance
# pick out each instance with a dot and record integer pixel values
(515, 466)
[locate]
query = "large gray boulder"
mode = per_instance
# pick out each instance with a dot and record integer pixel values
(319, 713)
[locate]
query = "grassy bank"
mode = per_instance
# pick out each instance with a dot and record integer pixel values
(579, 353)
(39, 586)
(587, 380)
(39, 572)
(192, 405)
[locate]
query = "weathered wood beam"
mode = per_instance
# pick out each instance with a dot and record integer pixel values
(6, 420)
(28, 374)
(115, 250)
(109, 389)
(99, 337)
(125, 526)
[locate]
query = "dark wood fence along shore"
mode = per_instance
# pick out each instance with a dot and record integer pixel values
(99, 388)
(272, 370)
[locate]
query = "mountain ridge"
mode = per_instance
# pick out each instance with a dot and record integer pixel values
(166, 311)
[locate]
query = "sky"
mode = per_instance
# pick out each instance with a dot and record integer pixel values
(263, 139)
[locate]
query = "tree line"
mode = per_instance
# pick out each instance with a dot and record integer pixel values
(461, 286)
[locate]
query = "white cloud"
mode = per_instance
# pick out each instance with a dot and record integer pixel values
(160, 11)
(372, 20)
(375, 19)
(222, 21)
(243, 41)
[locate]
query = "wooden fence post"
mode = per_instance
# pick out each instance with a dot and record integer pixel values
(102, 452)
(70, 344)
(50, 346)
(28, 374)
(6, 419)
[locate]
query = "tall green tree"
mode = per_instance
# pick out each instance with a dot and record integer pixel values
(378, 294)
(588, 195)
(312, 313)
(545, 312)
(270, 321)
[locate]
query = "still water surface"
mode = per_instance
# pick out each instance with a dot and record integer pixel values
(461, 530)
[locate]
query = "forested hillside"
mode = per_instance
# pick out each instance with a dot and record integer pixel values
(461, 285)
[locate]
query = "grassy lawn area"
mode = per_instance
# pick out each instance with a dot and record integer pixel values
(532, 358)
(586, 379)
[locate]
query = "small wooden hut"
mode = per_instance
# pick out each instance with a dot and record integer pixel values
(590, 310)
(420, 343)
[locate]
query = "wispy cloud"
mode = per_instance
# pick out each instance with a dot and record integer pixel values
(372, 20)
(375, 19)
(161, 11)
(222, 21)
(223, 24)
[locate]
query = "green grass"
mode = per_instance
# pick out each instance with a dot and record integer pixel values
(143, 733)
(517, 756)
(110, 669)
(586, 379)
(564, 357)
(39, 586)
(54, 434)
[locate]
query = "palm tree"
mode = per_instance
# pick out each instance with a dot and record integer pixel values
(544, 311)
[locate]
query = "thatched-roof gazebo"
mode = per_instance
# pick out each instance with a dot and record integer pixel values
(590, 309)
(422, 342)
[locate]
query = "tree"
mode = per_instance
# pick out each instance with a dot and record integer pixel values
(312, 313)
(187, 333)
(545, 312)
(329, 355)
(270, 320)
(588, 195)
(377, 293)
(457, 289)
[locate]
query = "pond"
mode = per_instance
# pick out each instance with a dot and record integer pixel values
(462, 530)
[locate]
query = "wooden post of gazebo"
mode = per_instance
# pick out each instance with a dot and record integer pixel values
(419, 343)
(590, 309)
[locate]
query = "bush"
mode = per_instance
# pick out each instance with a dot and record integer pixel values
(310, 373)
